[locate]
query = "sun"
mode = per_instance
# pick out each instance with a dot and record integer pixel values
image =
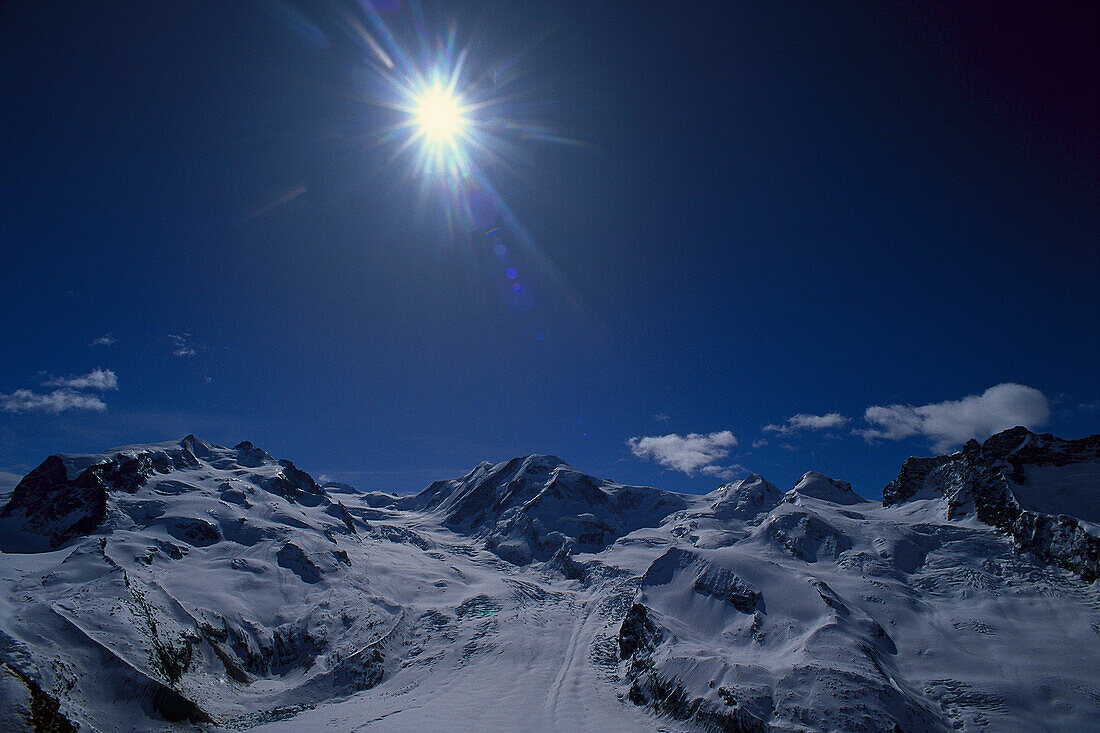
(439, 114)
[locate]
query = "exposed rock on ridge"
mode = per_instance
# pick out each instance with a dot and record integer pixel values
(991, 479)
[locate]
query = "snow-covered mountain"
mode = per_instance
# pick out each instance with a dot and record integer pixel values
(529, 508)
(1041, 491)
(183, 586)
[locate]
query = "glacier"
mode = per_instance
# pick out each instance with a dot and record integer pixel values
(186, 586)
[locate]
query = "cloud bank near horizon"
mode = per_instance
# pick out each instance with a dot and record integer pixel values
(67, 396)
(949, 424)
(945, 425)
(55, 402)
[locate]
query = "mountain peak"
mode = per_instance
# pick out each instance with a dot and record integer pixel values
(72, 495)
(746, 498)
(817, 485)
(1042, 491)
(529, 507)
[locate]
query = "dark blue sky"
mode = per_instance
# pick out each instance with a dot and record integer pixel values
(774, 209)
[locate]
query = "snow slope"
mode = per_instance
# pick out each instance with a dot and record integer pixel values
(222, 589)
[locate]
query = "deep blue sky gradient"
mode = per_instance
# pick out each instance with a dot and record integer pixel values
(778, 208)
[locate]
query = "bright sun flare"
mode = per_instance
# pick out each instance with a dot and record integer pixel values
(439, 115)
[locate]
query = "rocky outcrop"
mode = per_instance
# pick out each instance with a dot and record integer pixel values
(988, 480)
(704, 577)
(49, 504)
(69, 496)
(638, 638)
(26, 707)
(638, 634)
(294, 484)
(667, 696)
(58, 506)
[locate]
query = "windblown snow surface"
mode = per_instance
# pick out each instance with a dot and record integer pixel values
(185, 586)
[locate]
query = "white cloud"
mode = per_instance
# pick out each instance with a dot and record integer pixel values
(9, 480)
(661, 417)
(726, 473)
(104, 340)
(952, 423)
(759, 443)
(59, 400)
(802, 421)
(181, 346)
(101, 379)
(687, 453)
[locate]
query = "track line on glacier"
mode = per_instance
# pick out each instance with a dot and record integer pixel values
(570, 672)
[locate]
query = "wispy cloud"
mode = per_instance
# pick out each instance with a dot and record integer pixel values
(101, 379)
(950, 424)
(67, 396)
(759, 443)
(725, 473)
(104, 340)
(802, 421)
(181, 345)
(59, 400)
(661, 417)
(687, 453)
(8, 480)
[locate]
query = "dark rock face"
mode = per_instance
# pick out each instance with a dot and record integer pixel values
(50, 504)
(980, 478)
(56, 508)
(638, 634)
(667, 696)
(193, 531)
(295, 484)
(638, 638)
(723, 584)
(294, 558)
(44, 713)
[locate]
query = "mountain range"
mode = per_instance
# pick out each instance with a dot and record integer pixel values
(188, 586)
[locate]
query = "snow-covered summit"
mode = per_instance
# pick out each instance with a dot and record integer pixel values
(746, 498)
(530, 507)
(169, 483)
(816, 485)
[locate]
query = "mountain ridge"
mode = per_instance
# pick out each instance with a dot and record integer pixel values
(186, 585)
